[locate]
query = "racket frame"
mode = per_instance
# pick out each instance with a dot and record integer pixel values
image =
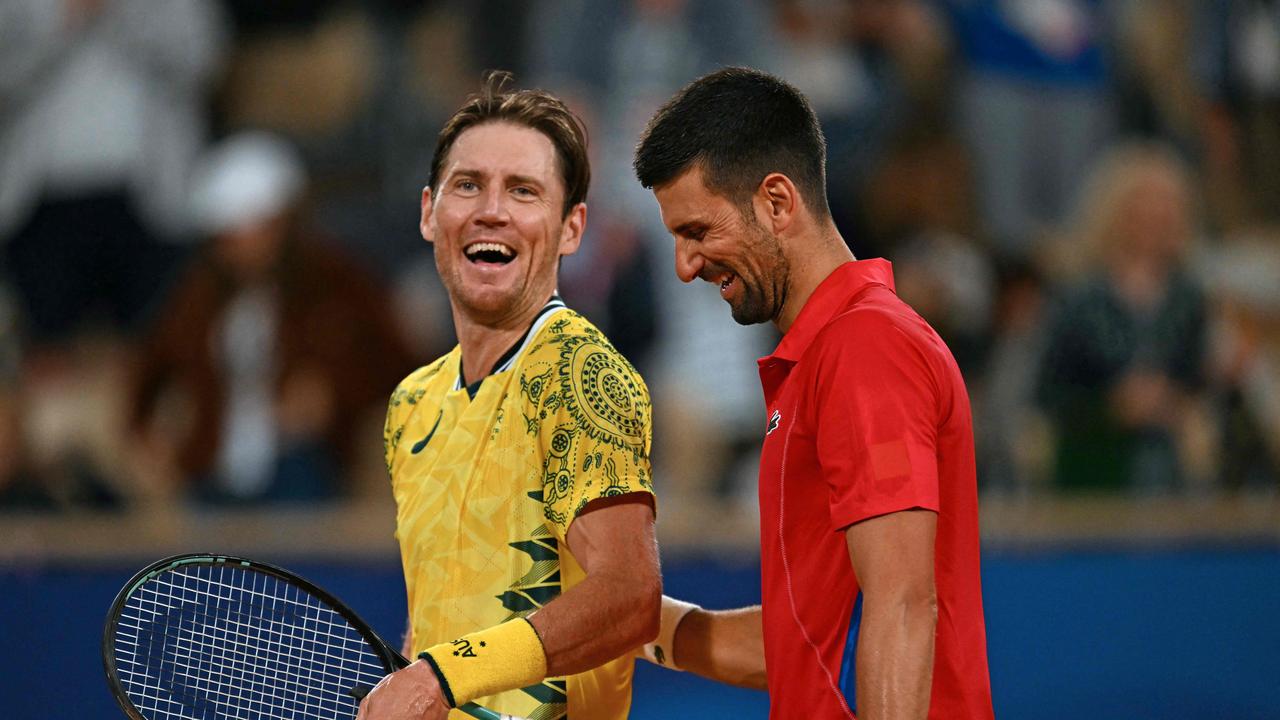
(390, 658)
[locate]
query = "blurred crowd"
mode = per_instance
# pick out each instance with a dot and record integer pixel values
(212, 276)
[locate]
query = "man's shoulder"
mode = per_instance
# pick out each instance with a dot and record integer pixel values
(427, 379)
(408, 396)
(569, 335)
(568, 323)
(572, 370)
(878, 320)
(885, 327)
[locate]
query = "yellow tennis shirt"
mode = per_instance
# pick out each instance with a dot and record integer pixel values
(487, 480)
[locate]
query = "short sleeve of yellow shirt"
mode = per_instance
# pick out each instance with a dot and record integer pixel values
(592, 424)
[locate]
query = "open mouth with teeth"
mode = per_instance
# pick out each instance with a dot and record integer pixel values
(489, 252)
(726, 282)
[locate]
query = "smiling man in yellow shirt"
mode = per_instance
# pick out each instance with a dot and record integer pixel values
(519, 460)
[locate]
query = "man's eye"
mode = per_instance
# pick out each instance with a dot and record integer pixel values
(523, 191)
(467, 185)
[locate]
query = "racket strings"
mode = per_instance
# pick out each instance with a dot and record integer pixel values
(269, 653)
(236, 670)
(236, 660)
(215, 641)
(247, 624)
(193, 682)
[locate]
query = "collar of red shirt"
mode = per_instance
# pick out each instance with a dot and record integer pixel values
(830, 297)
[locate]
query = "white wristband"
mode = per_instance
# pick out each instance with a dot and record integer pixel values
(662, 650)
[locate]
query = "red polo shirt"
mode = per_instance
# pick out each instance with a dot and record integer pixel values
(867, 415)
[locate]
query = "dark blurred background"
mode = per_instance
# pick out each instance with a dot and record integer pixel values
(211, 278)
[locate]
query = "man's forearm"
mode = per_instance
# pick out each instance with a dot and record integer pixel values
(723, 645)
(617, 605)
(601, 618)
(611, 611)
(895, 660)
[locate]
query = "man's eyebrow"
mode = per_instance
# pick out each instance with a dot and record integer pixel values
(688, 227)
(523, 180)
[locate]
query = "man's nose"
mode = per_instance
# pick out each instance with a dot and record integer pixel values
(688, 263)
(493, 207)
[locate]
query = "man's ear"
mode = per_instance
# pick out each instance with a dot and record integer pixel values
(426, 225)
(571, 230)
(776, 202)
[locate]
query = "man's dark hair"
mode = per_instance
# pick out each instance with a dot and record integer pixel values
(739, 125)
(536, 109)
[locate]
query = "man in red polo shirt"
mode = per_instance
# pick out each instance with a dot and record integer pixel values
(868, 502)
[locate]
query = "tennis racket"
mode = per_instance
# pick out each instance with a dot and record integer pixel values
(204, 637)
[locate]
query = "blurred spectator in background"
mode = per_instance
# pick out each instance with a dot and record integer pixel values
(1238, 58)
(615, 284)
(1155, 70)
(302, 67)
(20, 489)
(951, 283)
(1124, 365)
(875, 71)
(268, 370)
(102, 110)
(1013, 436)
(1034, 108)
(103, 107)
(1244, 280)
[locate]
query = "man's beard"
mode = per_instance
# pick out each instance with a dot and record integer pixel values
(752, 309)
(755, 307)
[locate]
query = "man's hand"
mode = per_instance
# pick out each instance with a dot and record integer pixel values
(725, 645)
(410, 694)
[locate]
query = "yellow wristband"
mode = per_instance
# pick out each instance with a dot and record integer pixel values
(503, 657)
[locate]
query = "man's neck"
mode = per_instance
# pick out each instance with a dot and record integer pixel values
(483, 344)
(812, 260)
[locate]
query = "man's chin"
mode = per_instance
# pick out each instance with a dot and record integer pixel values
(750, 314)
(488, 306)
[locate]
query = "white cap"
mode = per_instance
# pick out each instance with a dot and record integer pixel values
(247, 177)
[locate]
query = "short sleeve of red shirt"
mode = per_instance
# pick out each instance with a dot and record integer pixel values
(876, 419)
